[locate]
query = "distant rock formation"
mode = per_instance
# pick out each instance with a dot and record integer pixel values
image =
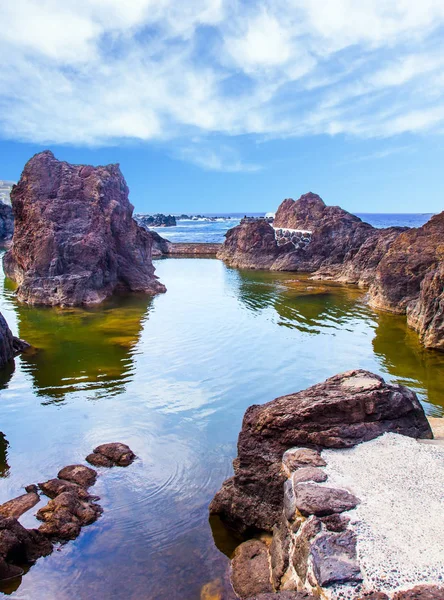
(6, 222)
(10, 346)
(75, 241)
(404, 268)
(157, 220)
(341, 412)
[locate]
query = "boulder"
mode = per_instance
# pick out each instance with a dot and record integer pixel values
(341, 412)
(83, 476)
(66, 514)
(308, 474)
(110, 455)
(312, 499)
(250, 569)
(334, 558)
(75, 241)
(19, 546)
(301, 457)
(10, 345)
(54, 487)
(17, 506)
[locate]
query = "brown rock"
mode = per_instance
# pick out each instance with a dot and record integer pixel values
(334, 558)
(250, 570)
(19, 546)
(108, 455)
(296, 458)
(54, 487)
(312, 499)
(308, 474)
(83, 476)
(279, 552)
(421, 592)
(75, 241)
(345, 410)
(65, 515)
(10, 346)
(250, 245)
(336, 522)
(302, 546)
(17, 506)
(373, 596)
(283, 596)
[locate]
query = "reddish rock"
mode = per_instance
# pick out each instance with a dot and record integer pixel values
(10, 346)
(343, 411)
(302, 457)
(66, 514)
(75, 241)
(334, 558)
(302, 546)
(54, 487)
(312, 499)
(421, 592)
(285, 595)
(251, 245)
(279, 552)
(336, 522)
(83, 476)
(112, 454)
(250, 569)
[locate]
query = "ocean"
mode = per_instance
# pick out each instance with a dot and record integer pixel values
(205, 230)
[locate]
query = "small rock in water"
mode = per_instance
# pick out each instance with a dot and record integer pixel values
(65, 515)
(250, 570)
(112, 454)
(84, 476)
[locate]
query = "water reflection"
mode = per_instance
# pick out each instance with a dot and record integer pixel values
(402, 355)
(4, 467)
(82, 349)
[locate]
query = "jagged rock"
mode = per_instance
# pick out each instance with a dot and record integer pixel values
(279, 552)
(308, 474)
(334, 558)
(10, 345)
(343, 411)
(285, 595)
(301, 457)
(335, 522)
(17, 506)
(66, 514)
(251, 245)
(250, 570)
(6, 222)
(75, 241)
(83, 476)
(112, 454)
(19, 546)
(373, 596)
(302, 547)
(312, 499)
(421, 592)
(157, 220)
(289, 500)
(54, 487)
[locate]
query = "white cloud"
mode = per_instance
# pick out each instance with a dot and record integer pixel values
(219, 158)
(98, 71)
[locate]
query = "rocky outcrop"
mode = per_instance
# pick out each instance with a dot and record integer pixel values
(6, 222)
(10, 345)
(342, 411)
(157, 220)
(75, 241)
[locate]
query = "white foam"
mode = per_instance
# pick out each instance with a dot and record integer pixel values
(400, 521)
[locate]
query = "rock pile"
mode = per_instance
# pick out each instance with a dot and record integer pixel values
(71, 507)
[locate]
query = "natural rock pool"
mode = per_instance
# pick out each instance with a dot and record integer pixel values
(172, 377)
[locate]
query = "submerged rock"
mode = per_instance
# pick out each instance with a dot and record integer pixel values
(75, 241)
(340, 412)
(110, 455)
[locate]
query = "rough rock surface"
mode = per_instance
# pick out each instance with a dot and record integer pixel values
(312, 499)
(6, 222)
(66, 514)
(342, 411)
(19, 546)
(110, 455)
(157, 220)
(421, 592)
(285, 595)
(83, 476)
(308, 474)
(250, 570)
(75, 241)
(17, 506)
(54, 487)
(10, 346)
(334, 558)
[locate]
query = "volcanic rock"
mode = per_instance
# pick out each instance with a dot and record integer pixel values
(302, 547)
(83, 476)
(341, 412)
(421, 592)
(308, 474)
(75, 241)
(157, 220)
(250, 570)
(17, 506)
(10, 345)
(110, 455)
(54, 487)
(312, 499)
(66, 514)
(302, 457)
(6, 222)
(334, 558)
(284, 595)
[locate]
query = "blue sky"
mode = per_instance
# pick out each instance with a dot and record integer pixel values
(222, 105)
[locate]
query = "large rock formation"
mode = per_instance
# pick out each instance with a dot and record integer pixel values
(10, 346)
(6, 222)
(75, 241)
(342, 411)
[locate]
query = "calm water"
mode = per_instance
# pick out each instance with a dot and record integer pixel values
(214, 232)
(172, 377)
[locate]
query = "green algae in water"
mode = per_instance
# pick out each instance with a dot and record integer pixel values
(172, 376)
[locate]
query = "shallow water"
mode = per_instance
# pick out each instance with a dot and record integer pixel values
(172, 377)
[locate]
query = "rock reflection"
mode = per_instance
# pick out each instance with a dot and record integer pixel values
(404, 358)
(4, 467)
(301, 303)
(88, 349)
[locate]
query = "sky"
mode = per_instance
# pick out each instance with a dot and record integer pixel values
(232, 106)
